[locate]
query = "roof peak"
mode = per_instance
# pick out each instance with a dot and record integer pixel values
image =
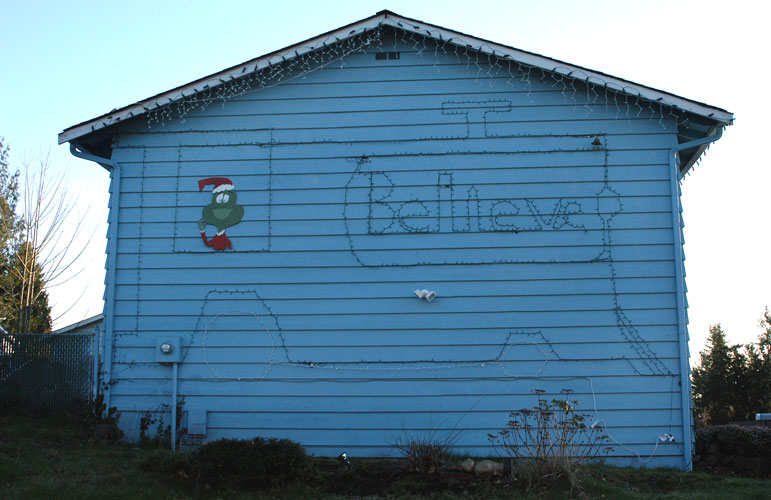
(217, 84)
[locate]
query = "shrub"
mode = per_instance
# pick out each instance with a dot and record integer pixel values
(428, 454)
(550, 442)
(161, 438)
(736, 440)
(260, 463)
(103, 422)
(175, 464)
(743, 449)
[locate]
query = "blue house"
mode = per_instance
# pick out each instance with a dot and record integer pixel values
(397, 230)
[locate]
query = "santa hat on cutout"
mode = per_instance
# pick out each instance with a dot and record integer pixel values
(220, 184)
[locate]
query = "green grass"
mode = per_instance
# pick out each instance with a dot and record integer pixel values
(56, 458)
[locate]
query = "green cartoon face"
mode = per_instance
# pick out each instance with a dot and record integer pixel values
(223, 211)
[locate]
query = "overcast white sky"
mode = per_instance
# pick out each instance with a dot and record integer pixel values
(67, 62)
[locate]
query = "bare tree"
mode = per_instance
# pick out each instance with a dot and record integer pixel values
(50, 239)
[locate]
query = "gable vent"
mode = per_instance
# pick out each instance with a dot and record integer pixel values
(382, 56)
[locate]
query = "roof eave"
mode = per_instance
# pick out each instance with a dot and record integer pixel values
(566, 69)
(720, 116)
(697, 154)
(141, 107)
(93, 319)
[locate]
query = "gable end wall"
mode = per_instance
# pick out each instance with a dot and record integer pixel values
(543, 225)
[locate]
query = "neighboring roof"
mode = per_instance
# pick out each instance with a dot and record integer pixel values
(720, 116)
(80, 324)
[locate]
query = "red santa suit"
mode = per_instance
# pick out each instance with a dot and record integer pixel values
(219, 241)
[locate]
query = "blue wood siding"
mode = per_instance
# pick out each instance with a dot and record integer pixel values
(552, 258)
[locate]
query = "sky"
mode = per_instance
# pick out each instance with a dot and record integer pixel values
(67, 62)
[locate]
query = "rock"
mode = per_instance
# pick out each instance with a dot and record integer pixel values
(488, 468)
(484, 468)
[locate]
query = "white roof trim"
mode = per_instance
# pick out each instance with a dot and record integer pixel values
(68, 328)
(419, 27)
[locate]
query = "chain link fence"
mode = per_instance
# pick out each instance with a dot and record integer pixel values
(47, 373)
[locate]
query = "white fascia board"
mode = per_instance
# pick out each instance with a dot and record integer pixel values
(93, 319)
(211, 81)
(418, 27)
(562, 68)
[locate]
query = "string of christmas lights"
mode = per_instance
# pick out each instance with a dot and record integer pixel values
(482, 61)
(486, 67)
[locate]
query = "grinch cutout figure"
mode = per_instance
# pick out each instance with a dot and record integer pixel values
(222, 212)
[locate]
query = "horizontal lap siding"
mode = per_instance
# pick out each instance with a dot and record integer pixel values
(551, 257)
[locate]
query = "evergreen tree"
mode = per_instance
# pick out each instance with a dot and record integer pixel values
(28, 310)
(732, 383)
(9, 228)
(9, 197)
(759, 364)
(711, 380)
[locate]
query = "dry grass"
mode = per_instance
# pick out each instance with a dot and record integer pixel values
(59, 458)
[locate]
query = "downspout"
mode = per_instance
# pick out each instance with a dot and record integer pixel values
(109, 313)
(685, 369)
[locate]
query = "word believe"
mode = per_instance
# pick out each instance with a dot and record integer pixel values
(447, 208)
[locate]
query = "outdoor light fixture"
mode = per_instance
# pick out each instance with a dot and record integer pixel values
(343, 458)
(428, 295)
